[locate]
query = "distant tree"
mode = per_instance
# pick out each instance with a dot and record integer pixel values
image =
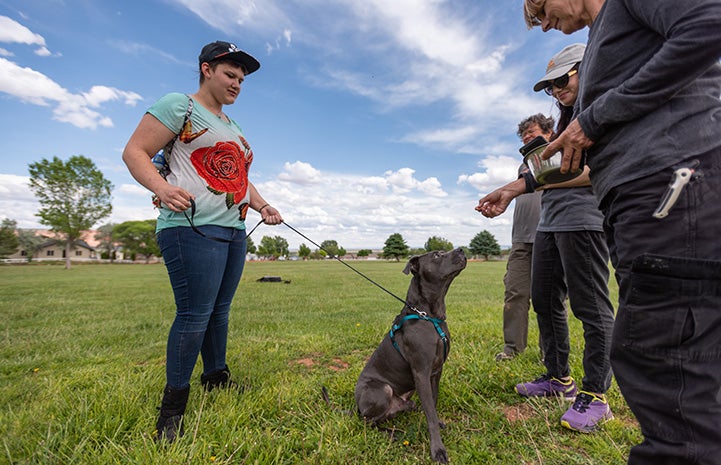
(485, 244)
(73, 196)
(8, 240)
(364, 252)
(137, 238)
(395, 247)
(273, 247)
(416, 251)
(250, 245)
(304, 251)
(332, 248)
(30, 243)
(438, 243)
(106, 243)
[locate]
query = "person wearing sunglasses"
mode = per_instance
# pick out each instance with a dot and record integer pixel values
(649, 121)
(570, 260)
(208, 159)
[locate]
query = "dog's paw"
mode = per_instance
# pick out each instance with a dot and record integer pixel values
(440, 455)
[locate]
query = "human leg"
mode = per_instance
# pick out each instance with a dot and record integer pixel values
(584, 255)
(666, 353)
(213, 350)
(516, 305)
(548, 293)
(195, 266)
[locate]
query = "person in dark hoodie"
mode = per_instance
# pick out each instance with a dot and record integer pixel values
(648, 118)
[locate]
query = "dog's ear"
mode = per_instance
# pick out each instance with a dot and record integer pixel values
(412, 265)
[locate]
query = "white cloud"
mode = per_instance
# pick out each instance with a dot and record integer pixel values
(17, 202)
(43, 52)
(300, 173)
(34, 87)
(496, 171)
(13, 32)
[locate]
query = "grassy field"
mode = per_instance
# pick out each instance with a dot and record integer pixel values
(82, 354)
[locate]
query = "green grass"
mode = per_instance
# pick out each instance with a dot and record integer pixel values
(82, 354)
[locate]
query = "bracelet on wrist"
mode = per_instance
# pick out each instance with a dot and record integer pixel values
(531, 183)
(261, 208)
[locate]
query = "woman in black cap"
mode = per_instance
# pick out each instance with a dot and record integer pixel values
(202, 192)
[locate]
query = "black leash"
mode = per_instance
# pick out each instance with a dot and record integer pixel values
(213, 238)
(361, 274)
(220, 239)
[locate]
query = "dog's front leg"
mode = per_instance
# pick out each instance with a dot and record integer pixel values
(435, 384)
(425, 394)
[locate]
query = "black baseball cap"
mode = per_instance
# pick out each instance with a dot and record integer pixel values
(225, 50)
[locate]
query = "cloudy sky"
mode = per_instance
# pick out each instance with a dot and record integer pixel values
(367, 118)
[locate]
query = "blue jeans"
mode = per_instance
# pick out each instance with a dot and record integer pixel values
(204, 275)
(574, 263)
(666, 351)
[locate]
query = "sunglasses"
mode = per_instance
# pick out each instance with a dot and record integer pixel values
(559, 82)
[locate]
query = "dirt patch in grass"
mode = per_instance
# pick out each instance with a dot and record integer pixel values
(520, 412)
(335, 364)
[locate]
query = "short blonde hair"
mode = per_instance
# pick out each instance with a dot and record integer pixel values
(531, 8)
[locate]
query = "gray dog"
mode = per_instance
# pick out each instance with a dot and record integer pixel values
(411, 356)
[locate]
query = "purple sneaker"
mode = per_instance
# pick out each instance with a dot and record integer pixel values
(546, 386)
(587, 413)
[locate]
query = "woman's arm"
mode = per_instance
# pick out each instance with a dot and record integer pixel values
(149, 137)
(268, 213)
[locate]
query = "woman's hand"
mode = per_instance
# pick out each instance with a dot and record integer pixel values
(174, 198)
(270, 215)
(572, 142)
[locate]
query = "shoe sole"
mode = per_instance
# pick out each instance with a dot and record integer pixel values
(589, 429)
(546, 396)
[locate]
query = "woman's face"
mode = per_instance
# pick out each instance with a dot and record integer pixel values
(224, 80)
(563, 15)
(566, 96)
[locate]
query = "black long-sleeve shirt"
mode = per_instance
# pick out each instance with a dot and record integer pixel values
(650, 87)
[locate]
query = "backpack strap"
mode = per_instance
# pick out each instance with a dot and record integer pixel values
(169, 146)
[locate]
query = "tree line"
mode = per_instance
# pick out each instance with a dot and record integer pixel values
(74, 196)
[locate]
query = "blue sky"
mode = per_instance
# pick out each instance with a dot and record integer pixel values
(367, 117)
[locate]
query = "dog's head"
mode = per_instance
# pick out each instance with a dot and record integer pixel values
(437, 265)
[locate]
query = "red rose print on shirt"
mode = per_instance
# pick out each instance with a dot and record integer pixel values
(225, 169)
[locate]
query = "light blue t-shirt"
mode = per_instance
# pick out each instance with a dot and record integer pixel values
(210, 159)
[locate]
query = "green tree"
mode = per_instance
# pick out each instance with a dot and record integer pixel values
(364, 252)
(395, 247)
(485, 244)
(438, 243)
(106, 242)
(273, 247)
(332, 248)
(8, 240)
(73, 196)
(250, 245)
(304, 251)
(137, 238)
(30, 243)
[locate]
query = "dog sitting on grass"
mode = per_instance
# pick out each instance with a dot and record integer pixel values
(410, 357)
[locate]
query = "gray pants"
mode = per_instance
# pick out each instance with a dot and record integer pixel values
(517, 299)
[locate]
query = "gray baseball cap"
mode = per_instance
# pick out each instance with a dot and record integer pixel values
(561, 63)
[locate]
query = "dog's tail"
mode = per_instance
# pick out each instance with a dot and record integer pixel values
(326, 399)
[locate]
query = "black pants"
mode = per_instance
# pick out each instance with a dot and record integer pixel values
(666, 351)
(574, 264)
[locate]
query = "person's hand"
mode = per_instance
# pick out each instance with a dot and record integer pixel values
(174, 198)
(572, 142)
(270, 215)
(497, 201)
